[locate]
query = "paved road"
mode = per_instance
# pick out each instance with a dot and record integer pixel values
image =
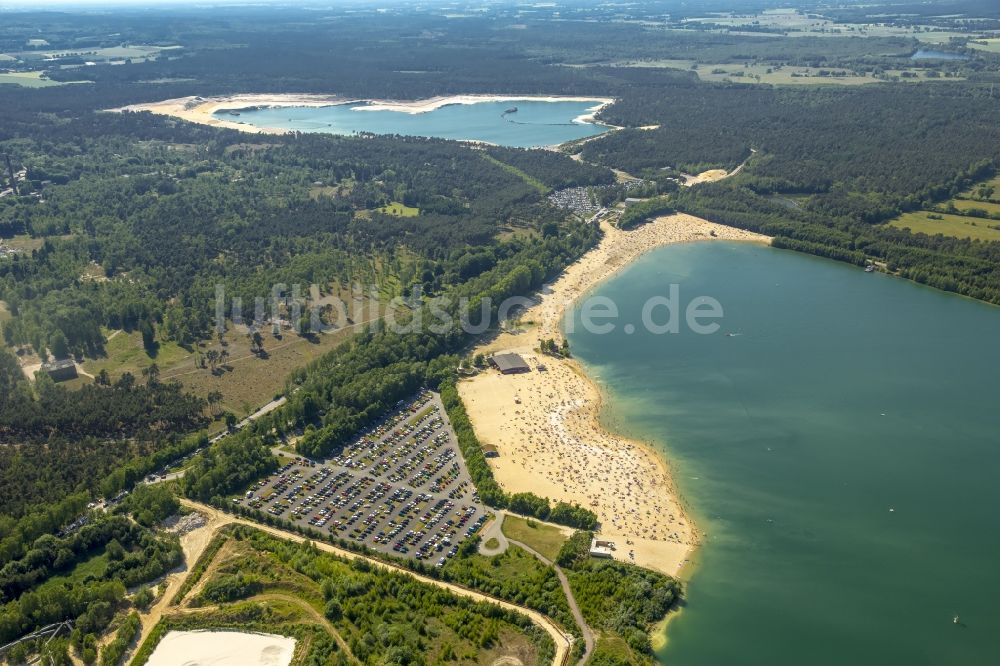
(266, 409)
(588, 634)
(493, 531)
(562, 642)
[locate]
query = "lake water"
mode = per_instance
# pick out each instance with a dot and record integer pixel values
(931, 54)
(535, 124)
(841, 451)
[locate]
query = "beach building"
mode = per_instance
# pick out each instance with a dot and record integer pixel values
(509, 364)
(490, 451)
(602, 549)
(60, 370)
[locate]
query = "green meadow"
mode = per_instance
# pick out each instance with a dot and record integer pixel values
(28, 79)
(964, 205)
(959, 226)
(399, 210)
(546, 539)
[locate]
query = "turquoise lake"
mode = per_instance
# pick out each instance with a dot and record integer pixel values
(535, 124)
(841, 450)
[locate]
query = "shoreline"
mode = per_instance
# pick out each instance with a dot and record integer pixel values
(202, 110)
(553, 442)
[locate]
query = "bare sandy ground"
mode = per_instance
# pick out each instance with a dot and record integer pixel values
(201, 109)
(193, 544)
(545, 424)
(709, 176)
(222, 648)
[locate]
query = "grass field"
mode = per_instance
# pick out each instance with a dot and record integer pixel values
(93, 566)
(246, 381)
(950, 225)
(970, 204)
(26, 243)
(990, 45)
(318, 191)
(546, 539)
(249, 381)
(31, 80)
(993, 182)
(399, 210)
(125, 353)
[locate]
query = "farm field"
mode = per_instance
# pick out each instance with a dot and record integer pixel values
(137, 53)
(990, 45)
(777, 75)
(797, 24)
(950, 225)
(546, 539)
(31, 80)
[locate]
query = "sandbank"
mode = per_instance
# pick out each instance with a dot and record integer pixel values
(545, 425)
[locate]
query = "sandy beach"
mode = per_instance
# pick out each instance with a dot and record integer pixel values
(201, 109)
(545, 424)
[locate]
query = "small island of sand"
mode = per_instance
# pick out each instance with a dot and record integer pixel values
(545, 425)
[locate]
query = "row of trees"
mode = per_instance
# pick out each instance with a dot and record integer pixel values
(961, 265)
(644, 211)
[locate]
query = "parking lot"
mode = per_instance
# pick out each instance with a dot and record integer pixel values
(401, 488)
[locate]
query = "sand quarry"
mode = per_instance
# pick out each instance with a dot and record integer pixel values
(202, 109)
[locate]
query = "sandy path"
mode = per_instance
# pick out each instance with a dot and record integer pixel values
(193, 544)
(715, 175)
(574, 608)
(545, 424)
(200, 109)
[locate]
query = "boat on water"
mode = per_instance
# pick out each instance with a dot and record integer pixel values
(870, 268)
(512, 109)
